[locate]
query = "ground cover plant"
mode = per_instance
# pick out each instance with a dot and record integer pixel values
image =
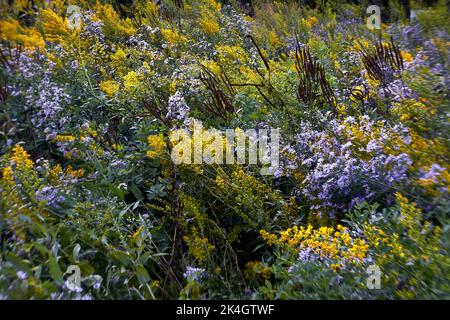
(356, 208)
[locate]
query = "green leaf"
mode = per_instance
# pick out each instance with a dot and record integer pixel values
(116, 191)
(142, 274)
(76, 252)
(18, 262)
(41, 248)
(136, 192)
(144, 257)
(55, 270)
(123, 257)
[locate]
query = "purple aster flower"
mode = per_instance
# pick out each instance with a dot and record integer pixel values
(193, 273)
(50, 196)
(178, 108)
(21, 275)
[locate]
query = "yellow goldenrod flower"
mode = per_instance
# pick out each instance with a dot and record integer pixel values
(220, 182)
(271, 239)
(12, 31)
(209, 26)
(7, 174)
(54, 26)
(312, 21)
(131, 80)
(274, 40)
(199, 247)
(406, 56)
(64, 138)
(324, 241)
(21, 158)
(172, 37)
(157, 145)
(335, 267)
(75, 173)
(119, 55)
(109, 87)
(55, 173)
(211, 66)
(211, 5)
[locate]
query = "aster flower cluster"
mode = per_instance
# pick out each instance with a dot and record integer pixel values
(43, 97)
(341, 173)
(92, 28)
(49, 107)
(178, 109)
(194, 274)
(396, 90)
(50, 195)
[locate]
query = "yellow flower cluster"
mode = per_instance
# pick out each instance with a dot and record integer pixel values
(119, 56)
(81, 136)
(173, 37)
(356, 133)
(54, 173)
(7, 174)
(131, 80)
(12, 31)
(312, 21)
(209, 26)
(424, 152)
(410, 216)
(375, 236)
(208, 22)
(90, 131)
(360, 137)
(231, 54)
(274, 40)
(423, 238)
(209, 145)
(64, 138)
(406, 56)
(199, 247)
(118, 63)
(109, 87)
(54, 26)
(112, 20)
(220, 182)
(249, 182)
(157, 145)
(414, 113)
(270, 238)
(211, 5)
(21, 158)
(75, 173)
(192, 210)
(326, 242)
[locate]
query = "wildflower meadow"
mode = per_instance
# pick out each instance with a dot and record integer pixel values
(208, 149)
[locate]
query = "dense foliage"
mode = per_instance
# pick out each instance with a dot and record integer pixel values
(85, 156)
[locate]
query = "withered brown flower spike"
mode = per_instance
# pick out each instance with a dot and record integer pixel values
(312, 78)
(219, 103)
(377, 61)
